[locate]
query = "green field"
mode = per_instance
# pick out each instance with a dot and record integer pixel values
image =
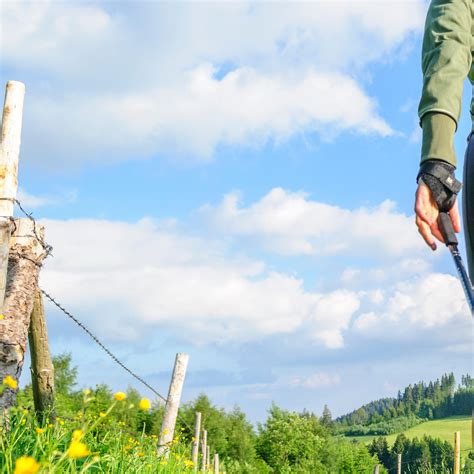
(443, 429)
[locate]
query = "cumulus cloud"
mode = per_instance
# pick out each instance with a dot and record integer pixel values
(190, 282)
(146, 275)
(290, 223)
(196, 82)
(316, 380)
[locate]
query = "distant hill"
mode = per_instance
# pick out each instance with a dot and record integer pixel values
(416, 403)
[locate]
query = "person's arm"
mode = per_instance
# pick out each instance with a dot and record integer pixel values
(446, 61)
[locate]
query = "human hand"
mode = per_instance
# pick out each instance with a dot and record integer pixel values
(427, 213)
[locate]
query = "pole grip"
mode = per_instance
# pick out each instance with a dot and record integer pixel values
(447, 230)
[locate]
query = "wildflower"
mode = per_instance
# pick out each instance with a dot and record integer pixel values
(61, 422)
(77, 450)
(24, 411)
(120, 396)
(188, 463)
(77, 435)
(96, 458)
(140, 454)
(50, 425)
(10, 382)
(163, 463)
(144, 404)
(102, 414)
(2, 317)
(26, 465)
(87, 391)
(39, 430)
(127, 447)
(23, 422)
(165, 431)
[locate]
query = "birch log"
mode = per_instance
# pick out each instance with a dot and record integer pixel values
(12, 118)
(26, 253)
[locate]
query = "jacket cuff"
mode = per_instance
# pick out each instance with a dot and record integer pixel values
(438, 138)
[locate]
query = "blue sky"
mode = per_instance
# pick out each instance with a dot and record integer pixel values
(236, 181)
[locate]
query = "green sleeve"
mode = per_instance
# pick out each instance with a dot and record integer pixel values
(446, 56)
(438, 138)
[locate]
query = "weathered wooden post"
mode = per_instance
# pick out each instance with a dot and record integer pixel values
(204, 450)
(197, 432)
(457, 453)
(377, 469)
(172, 404)
(208, 456)
(42, 371)
(216, 463)
(26, 255)
(399, 464)
(9, 154)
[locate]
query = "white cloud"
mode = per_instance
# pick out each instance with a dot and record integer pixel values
(32, 201)
(290, 223)
(316, 380)
(121, 82)
(145, 274)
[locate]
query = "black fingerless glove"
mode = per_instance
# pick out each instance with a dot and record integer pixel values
(439, 177)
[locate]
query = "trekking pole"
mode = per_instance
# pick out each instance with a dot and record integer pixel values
(451, 241)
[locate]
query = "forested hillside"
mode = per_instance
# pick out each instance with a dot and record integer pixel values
(418, 402)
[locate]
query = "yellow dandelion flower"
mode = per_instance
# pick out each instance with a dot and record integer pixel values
(144, 404)
(140, 454)
(163, 463)
(165, 431)
(127, 447)
(50, 425)
(87, 391)
(26, 465)
(61, 422)
(188, 463)
(77, 450)
(120, 396)
(2, 317)
(39, 430)
(23, 422)
(77, 435)
(10, 382)
(102, 414)
(24, 411)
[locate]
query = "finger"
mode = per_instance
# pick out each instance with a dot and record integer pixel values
(424, 207)
(425, 231)
(455, 217)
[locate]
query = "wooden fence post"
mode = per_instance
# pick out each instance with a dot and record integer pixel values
(197, 432)
(208, 456)
(204, 450)
(377, 469)
(399, 464)
(26, 255)
(42, 371)
(216, 463)
(172, 404)
(457, 453)
(9, 154)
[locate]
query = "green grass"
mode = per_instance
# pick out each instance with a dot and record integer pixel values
(443, 429)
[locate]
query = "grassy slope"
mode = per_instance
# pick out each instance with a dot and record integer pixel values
(443, 429)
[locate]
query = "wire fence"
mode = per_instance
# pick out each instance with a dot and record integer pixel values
(47, 248)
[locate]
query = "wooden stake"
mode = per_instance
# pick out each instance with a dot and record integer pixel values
(399, 464)
(42, 371)
(208, 456)
(204, 450)
(172, 404)
(9, 154)
(216, 463)
(197, 432)
(26, 254)
(457, 453)
(377, 469)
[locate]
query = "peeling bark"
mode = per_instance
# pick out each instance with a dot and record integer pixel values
(26, 254)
